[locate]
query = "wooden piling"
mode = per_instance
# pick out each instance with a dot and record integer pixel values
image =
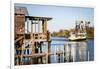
(88, 56)
(65, 52)
(59, 58)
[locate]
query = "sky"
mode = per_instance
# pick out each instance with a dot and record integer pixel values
(63, 17)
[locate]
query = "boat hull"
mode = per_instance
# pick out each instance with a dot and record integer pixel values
(77, 39)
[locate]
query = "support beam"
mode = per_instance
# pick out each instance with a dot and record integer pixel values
(31, 26)
(27, 25)
(38, 26)
(35, 27)
(46, 25)
(65, 53)
(49, 50)
(43, 26)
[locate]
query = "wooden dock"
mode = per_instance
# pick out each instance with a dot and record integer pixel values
(27, 39)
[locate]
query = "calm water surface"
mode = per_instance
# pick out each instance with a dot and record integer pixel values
(72, 51)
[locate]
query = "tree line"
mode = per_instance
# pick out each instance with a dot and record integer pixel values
(66, 33)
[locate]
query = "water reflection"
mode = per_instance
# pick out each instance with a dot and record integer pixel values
(72, 52)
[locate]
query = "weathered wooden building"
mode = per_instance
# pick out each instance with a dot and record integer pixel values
(30, 34)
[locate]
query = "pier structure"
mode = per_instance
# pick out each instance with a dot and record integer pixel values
(31, 42)
(31, 34)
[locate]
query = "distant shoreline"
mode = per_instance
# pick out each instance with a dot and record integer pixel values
(90, 37)
(67, 37)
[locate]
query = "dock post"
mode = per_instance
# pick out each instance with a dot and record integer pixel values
(49, 50)
(65, 53)
(70, 54)
(49, 45)
(40, 46)
(59, 58)
(17, 61)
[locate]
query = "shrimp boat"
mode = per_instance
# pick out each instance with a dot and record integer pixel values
(79, 32)
(81, 36)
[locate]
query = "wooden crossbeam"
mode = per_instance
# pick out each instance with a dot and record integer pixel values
(19, 39)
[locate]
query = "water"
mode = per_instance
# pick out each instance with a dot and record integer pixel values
(73, 51)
